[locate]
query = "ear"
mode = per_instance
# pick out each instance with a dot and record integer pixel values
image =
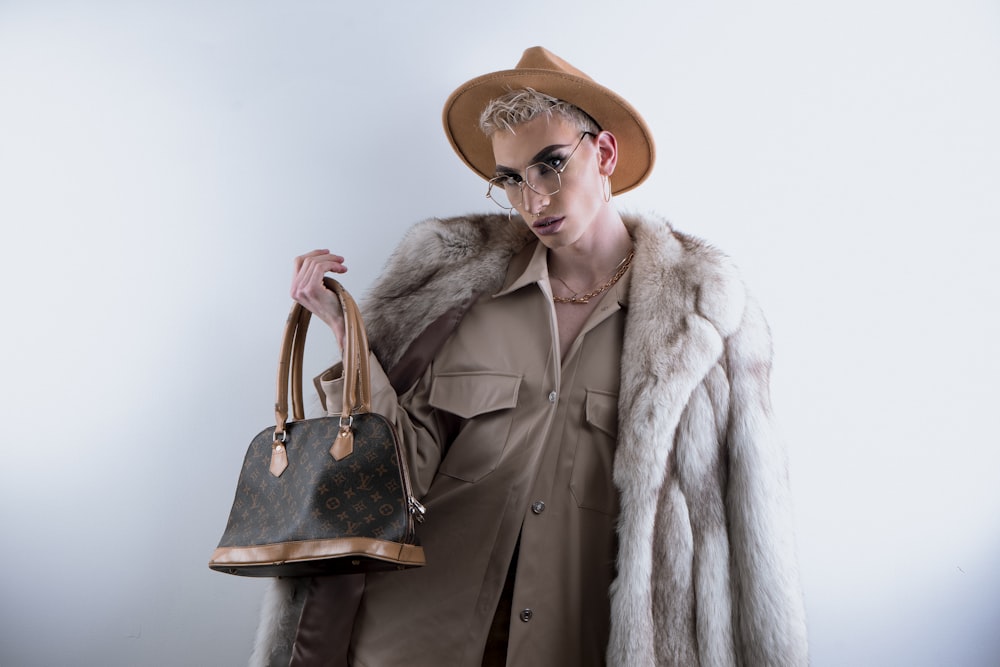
(607, 153)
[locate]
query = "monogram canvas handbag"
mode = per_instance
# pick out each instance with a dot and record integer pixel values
(322, 496)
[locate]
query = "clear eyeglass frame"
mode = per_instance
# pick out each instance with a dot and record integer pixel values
(542, 178)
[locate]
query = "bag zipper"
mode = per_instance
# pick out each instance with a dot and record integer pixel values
(415, 510)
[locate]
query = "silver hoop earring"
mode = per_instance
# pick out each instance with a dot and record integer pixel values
(607, 189)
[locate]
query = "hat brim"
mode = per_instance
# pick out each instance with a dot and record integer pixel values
(462, 110)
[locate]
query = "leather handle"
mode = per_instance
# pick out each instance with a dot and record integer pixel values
(357, 374)
(298, 354)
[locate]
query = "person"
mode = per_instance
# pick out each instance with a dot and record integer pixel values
(593, 441)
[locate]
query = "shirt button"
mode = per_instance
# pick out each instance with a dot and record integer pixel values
(526, 615)
(552, 397)
(538, 507)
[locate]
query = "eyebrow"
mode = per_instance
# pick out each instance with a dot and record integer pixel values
(501, 170)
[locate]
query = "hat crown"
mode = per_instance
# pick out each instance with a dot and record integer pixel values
(538, 57)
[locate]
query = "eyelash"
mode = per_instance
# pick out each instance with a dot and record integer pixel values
(555, 161)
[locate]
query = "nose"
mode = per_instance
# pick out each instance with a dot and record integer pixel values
(529, 199)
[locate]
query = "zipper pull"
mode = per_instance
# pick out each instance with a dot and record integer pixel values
(417, 510)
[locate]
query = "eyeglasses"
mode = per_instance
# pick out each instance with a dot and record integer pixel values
(544, 178)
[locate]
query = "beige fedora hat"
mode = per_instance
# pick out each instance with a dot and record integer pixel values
(548, 73)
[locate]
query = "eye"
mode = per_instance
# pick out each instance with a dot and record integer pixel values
(554, 162)
(551, 163)
(507, 180)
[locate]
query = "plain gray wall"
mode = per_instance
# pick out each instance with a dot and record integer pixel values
(162, 163)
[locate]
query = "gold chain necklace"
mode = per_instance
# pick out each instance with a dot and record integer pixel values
(585, 298)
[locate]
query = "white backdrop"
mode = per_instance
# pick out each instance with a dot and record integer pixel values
(161, 164)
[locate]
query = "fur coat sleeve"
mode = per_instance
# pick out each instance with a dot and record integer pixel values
(707, 571)
(707, 567)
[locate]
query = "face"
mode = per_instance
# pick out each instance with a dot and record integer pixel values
(574, 213)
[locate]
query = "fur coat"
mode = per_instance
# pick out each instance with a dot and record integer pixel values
(707, 572)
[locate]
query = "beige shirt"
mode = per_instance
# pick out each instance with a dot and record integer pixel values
(505, 443)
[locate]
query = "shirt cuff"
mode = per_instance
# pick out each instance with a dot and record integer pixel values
(330, 386)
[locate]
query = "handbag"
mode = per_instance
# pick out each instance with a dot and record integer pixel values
(322, 496)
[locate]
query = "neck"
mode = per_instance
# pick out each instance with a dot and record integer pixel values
(594, 258)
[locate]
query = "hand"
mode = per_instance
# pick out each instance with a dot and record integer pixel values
(308, 288)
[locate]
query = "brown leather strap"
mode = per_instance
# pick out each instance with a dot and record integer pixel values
(298, 351)
(284, 359)
(357, 385)
(356, 364)
(357, 374)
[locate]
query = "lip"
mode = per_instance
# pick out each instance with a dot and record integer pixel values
(547, 225)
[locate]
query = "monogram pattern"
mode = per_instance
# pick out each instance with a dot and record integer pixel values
(362, 495)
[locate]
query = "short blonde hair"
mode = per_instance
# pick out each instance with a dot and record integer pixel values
(524, 104)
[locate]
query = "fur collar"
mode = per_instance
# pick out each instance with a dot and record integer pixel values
(442, 262)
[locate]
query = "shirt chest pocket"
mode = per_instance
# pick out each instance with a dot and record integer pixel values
(485, 402)
(592, 483)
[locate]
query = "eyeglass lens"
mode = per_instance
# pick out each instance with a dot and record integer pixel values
(507, 191)
(541, 178)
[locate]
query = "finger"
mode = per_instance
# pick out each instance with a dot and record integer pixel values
(313, 253)
(314, 269)
(307, 285)
(321, 258)
(307, 280)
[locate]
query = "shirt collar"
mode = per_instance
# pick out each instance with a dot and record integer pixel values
(527, 267)
(530, 266)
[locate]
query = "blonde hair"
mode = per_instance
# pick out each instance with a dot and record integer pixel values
(517, 107)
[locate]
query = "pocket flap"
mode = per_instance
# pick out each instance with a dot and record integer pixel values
(475, 393)
(602, 411)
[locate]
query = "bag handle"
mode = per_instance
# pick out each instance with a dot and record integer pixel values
(357, 376)
(357, 372)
